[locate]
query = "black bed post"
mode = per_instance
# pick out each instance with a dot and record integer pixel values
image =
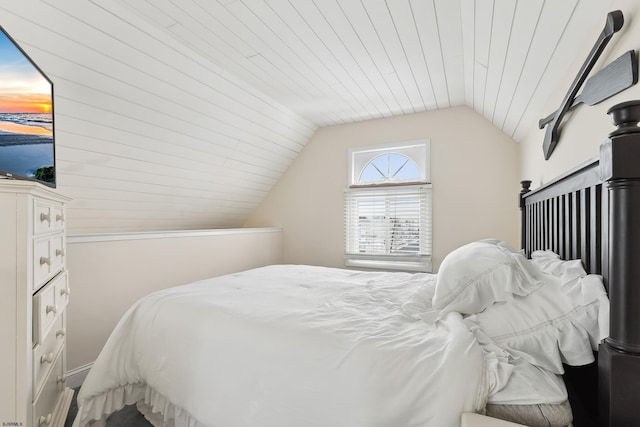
(619, 354)
(526, 184)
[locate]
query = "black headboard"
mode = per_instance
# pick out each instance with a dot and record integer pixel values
(569, 216)
(592, 213)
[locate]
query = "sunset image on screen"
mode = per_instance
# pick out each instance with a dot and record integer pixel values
(26, 116)
(25, 94)
(22, 88)
(25, 102)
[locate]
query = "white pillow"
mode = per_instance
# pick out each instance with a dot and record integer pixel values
(478, 274)
(550, 263)
(557, 323)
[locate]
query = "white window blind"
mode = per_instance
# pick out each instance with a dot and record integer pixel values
(389, 227)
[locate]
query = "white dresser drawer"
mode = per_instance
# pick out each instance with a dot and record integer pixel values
(43, 217)
(49, 255)
(59, 218)
(62, 291)
(45, 351)
(44, 406)
(58, 252)
(41, 261)
(47, 306)
(47, 216)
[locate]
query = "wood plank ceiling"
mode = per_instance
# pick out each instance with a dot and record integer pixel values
(337, 61)
(183, 114)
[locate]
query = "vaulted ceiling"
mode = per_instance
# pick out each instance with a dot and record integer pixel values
(336, 61)
(176, 114)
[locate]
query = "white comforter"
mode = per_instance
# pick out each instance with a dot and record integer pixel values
(294, 346)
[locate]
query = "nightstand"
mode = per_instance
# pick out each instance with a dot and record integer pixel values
(476, 420)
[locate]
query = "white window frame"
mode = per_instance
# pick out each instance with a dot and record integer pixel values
(417, 150)
(374, 256)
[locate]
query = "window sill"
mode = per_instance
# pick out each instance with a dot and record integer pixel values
(423, 266)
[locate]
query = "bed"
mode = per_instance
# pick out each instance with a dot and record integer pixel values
(496, 331)
(291, 345)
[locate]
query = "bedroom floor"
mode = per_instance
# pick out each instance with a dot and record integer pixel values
(126, 417)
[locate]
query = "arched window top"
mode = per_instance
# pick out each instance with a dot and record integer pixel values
(396, 163)
(390, 168)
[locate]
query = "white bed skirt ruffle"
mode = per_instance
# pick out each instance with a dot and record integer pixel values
(155, 407)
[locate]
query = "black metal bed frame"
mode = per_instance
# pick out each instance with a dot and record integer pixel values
(592, 213)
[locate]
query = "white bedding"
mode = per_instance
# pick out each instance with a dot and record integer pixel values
(293, 346)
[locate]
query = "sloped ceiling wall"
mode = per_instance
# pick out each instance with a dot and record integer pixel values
(184, 114)
(337, 61)
(150, 136)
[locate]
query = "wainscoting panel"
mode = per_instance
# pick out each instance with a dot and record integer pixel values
(109, 272)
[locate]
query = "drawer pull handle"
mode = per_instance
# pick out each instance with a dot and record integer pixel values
(45, 260)
(60, 217)
(65, 291)
(60, 333)
(46, 358)
(61, 379)
(51, 309)
(59, 252)
(45, 217)
(45, 420)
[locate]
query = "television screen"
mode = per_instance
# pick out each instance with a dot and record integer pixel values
(26, 116)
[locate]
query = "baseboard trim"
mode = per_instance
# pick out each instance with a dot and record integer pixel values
(75, 377)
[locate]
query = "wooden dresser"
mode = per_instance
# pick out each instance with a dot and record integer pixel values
(35, 292)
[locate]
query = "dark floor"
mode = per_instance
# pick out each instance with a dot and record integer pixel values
(126, 417)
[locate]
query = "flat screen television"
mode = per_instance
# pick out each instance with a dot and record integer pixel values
(27, 146)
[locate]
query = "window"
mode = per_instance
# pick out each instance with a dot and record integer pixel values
(389, 167)
(388, 207)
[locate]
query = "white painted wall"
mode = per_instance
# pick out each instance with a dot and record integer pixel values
(585, 128)
(474, 169)
(108, 276)
(150, 135)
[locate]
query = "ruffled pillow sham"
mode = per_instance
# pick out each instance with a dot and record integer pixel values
(479, 274)
(550, 262)
(572, 277)
(560, 322)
